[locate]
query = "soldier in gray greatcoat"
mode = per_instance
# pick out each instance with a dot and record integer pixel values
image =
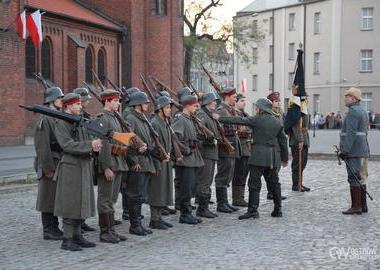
(74, 200)
(355, 150)
(160, 187)
(265, 158)
(209, 152)
(85, 101)
(186, 169)
(111, 166)
(48, 154)
(226, 162)
(241, 167)
(141, 166)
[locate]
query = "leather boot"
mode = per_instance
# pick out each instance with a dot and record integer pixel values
(252, 209)
(186, 217)
(356, 206)
(141, 217)
(78, 237)
(276, 212)
(68, 244)
(203, 210)
(134, 219)
(238, 196)
(364, 199)
(120, 237)
(221, 197)
(55, 224)
(106, 235)
(155, 216)
(167, 224)
(49, 231)
(125, 215)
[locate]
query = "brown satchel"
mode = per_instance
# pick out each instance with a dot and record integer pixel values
(118, 150)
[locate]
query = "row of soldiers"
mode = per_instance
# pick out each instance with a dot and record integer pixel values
(69, 160)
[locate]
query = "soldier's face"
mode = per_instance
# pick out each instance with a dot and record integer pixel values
(193, 108)
(276, 104)
(75, 108)
(212, 105)
(145, 107)
(348, 100)
(58, 103)
(240, 104)
(231, 100)
(167, 110)
(115, 104)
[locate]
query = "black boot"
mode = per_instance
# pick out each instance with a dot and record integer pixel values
(356, 205)
(50, 229)
(55, 223)
(157, 224)
(276, 212)
(364, 199)
(86, 228)
(125, 215)
(134, 219)
(120, 237)
(82, 242)
(68, 244)
(106, 235)
(203, 210)
(277, 200)
(186, 216)
(252, 209)
(221, 197)
(167, 224)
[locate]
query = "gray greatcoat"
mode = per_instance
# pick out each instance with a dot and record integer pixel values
(160, 187)
(75, 193)
(48, 154)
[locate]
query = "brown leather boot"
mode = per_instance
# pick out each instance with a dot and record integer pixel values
(356, 206)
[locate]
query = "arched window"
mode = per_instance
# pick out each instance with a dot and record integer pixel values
(46, 59)
(89, 65)
(30, 58)
(102, 65)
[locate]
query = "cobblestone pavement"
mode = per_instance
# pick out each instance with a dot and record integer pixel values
(313, 234)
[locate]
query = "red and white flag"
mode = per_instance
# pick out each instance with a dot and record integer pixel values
(33, 22)
(21, 25)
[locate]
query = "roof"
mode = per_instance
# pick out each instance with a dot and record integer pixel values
(72, 10)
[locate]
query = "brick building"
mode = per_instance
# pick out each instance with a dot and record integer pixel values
(116, 38)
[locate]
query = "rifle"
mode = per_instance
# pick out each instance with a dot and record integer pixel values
(41, 79)
(93, 126)
(339, 157)
(174, 139)
(137, 142)
(98, 81)
(212, 81)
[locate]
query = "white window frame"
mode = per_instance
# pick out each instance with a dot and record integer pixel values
(366, 101)
(367, 19)
(317, 63)
(317, 23)
(254, 82)
(292, 21)
(366, 61)
(291, 51)
(254, 55)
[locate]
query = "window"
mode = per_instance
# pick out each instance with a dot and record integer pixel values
(291, 51)
(254, 82)
(89, 65)
(46, 59)
(30, 58)
(292, 17)
(366, 102)
(290, 79)
(271, 81)
(254, 55)
(366, 61)
(254, 27)
(270, 53)
(317, 60)
(367, 18)
(271, 25)
(101, 65)
(158, 7)
(317, 23)
(316, 103)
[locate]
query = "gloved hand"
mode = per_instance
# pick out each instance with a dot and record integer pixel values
(342, 155)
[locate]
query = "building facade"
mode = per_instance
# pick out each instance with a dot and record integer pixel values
(340, 43)
(120, 39)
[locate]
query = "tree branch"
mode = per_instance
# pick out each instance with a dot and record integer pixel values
(214, 3)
